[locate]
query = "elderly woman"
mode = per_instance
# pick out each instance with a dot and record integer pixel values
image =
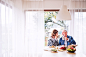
(53, 38)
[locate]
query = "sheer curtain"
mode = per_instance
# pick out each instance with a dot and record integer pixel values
(0, 34)
(5, 29)
(18, 30)
(11, 29)
(21, 37)
(34, 35)
(78, 23)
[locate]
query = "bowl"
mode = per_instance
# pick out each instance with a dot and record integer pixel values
(71, 51)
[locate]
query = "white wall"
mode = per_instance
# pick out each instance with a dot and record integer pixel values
(52, 4)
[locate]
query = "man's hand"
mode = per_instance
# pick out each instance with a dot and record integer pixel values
(66, 38)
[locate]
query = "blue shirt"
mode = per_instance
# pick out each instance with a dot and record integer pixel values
(71, 41)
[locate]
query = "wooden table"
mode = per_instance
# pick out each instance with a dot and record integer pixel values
(63, 54)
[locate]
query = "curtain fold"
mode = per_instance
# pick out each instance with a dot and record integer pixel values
(78, 24)
(12, 29)
(34, 29)
(18, 30)
(0, 33)
(35, 33)
(5, 30)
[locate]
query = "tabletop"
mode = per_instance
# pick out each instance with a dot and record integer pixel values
(63, 54)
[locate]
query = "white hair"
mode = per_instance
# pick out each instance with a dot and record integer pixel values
(65, 30)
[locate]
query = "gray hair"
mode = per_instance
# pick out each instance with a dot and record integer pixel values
(65, 30)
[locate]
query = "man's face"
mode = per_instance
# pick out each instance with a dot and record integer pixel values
(64, 33)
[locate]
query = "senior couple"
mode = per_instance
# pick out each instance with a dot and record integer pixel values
(65, 39)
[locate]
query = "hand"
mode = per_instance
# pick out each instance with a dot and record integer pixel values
(66, 38)
(56, 37)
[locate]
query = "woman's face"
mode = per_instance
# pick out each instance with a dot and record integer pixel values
(57, 34)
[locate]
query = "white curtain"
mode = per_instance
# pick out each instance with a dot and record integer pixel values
(20, 37)
(5, 29)
(12, 29)
(35, 33)
(18, 30)
(0, 34)
(78, 24)
(34, 29)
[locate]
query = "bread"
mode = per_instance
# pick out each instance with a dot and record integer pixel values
(52, 46)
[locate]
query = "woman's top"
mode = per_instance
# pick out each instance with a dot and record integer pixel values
(53, 41)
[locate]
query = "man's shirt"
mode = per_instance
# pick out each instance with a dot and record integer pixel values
(69, 42)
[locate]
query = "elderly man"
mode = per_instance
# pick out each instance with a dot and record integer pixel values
(66, 40)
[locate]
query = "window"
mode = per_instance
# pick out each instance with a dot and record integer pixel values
(51, 23)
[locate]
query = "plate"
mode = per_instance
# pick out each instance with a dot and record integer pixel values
(60, 50)
(53, 52)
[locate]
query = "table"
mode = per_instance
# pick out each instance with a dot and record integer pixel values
(63, 54)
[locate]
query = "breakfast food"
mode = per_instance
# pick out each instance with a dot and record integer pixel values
(72, 46)
(53, 50)
(52, 46)
(57, 48)
(63, 48)
(60, 50)
(71, 49)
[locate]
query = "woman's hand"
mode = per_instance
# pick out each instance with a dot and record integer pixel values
(57, 36)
